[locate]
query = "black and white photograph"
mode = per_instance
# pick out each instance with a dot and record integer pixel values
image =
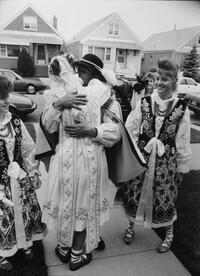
(99, 138)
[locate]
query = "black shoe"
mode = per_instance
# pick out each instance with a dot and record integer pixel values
(63, 253)
(85, 259)
(28, 254)
(101, 245)
(5, 264)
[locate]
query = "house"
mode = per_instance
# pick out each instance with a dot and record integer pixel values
(30, 30)
(113, 41)
(175, 44)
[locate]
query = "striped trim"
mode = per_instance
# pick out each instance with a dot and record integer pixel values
(91, 63)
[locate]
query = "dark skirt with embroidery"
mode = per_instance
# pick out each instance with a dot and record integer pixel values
(31, 214)
(164, 186)
(164, 191)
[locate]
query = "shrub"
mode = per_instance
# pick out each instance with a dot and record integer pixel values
(25, 64)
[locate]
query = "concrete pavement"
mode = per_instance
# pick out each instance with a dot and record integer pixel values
(138, 259)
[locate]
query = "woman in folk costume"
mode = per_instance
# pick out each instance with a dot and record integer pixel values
(20, 213)
(161, 126)
(143, 88)
(78, 177)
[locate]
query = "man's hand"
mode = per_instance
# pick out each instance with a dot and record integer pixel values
(70, 100)
(81, 129)
(178, 178)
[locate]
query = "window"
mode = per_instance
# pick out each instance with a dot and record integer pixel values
(108, 54)
(100, 52)
(183, 82)
(3, 50)
(30, 23)
(103, 53)
(135, 52)
(121, 56)
(190, 82)
(116, 29)
(151, 59)
(9, 75)
(113, 29)
(110, 31)
(13, 50)
(90, 49)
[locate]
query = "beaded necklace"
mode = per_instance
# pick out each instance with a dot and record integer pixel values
(163, 113)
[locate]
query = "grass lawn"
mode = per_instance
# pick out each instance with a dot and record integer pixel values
(186, 245)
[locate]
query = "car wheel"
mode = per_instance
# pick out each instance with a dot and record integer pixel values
(30, 89)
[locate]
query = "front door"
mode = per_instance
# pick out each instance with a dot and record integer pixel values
(41, 54)
(121, 58)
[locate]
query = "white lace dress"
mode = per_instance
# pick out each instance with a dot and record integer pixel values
(78, 177)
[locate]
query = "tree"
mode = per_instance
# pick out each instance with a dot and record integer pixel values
(25, 64)
(191, 65)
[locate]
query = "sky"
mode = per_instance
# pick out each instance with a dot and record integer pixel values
(143, 17)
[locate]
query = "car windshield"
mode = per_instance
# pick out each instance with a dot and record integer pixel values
(191, 82)
(10, 75)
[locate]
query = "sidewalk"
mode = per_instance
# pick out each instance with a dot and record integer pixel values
(138, 259)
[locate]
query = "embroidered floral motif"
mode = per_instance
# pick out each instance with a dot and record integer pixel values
(164, 187)
(82, 214)
(31, 212)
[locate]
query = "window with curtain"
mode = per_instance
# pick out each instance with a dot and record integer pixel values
(30, 23)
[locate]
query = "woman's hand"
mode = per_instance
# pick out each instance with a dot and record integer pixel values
(81, 129)
(70, 100)
(178, 178)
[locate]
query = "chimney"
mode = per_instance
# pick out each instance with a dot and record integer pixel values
(55, 22)
(174, 27)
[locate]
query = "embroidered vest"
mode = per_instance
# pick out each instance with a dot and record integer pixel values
(4, 159)
(170, 124)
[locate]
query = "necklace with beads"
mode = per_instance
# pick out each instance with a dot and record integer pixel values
(163, 113)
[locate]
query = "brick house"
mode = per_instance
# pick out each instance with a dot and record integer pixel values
(113, 41)
(30, 30)
(174, 44)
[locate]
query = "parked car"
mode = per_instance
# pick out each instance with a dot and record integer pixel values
(188, 86)
(193, 103)
(28, 85)
(20, 104)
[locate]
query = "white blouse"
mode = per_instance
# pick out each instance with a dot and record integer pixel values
(108, 132)
(134, 126)
(27, 146)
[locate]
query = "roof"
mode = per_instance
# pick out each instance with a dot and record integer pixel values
(30, 6)
(26, 39)
(170, 40)
(88, 29)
